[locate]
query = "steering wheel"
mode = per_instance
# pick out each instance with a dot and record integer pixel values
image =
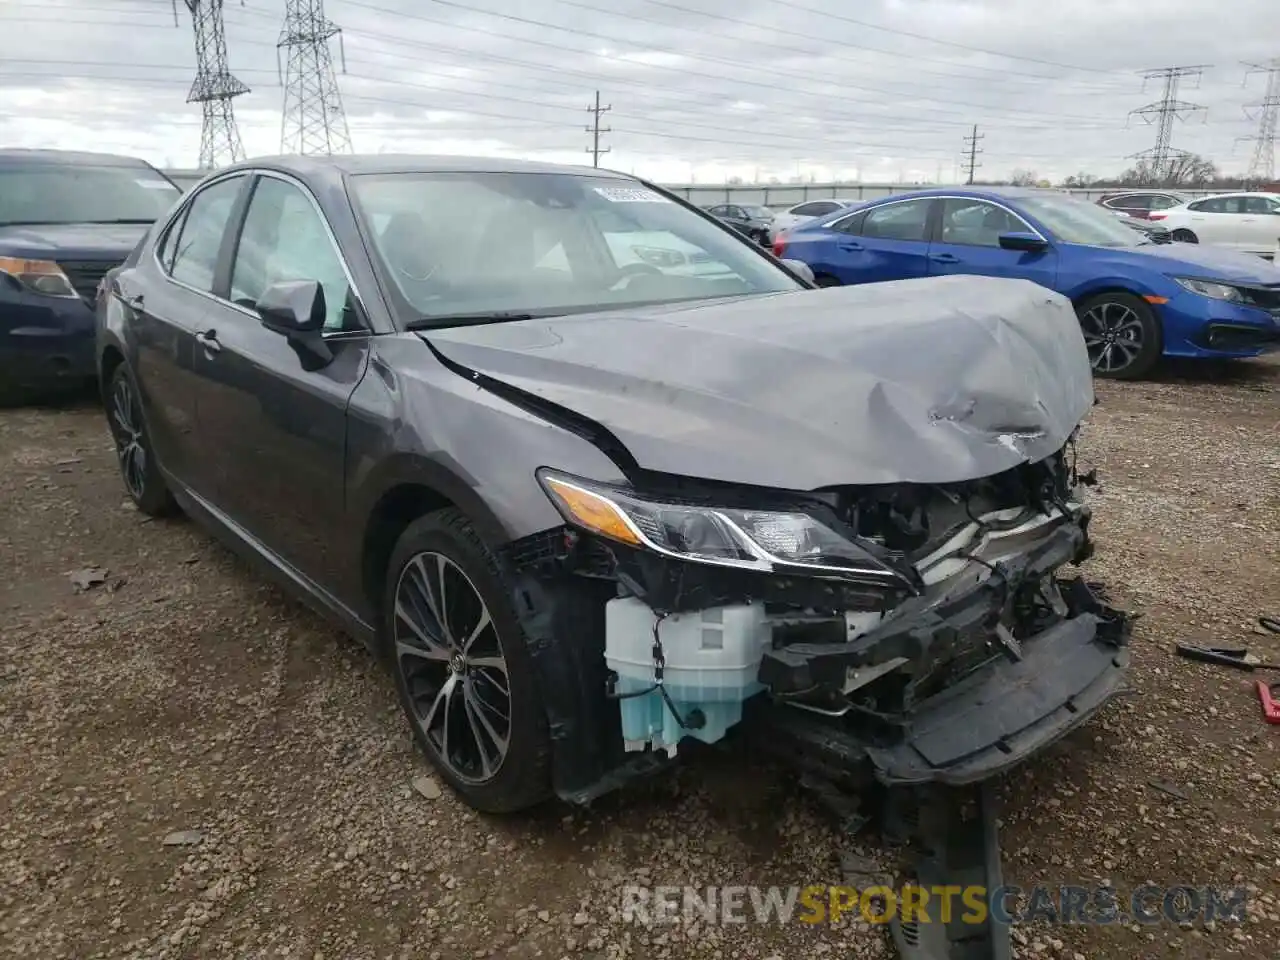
(632, 270)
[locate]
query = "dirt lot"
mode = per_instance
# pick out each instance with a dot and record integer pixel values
(184, 695)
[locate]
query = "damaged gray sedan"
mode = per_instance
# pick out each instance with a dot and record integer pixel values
(597, 477)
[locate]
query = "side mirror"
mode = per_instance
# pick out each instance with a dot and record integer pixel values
(295, 309)
(800, 267)
(292, 307)
(1028, 242)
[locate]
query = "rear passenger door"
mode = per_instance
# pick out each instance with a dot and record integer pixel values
(170, 297)
(885, 242)
(276, 416)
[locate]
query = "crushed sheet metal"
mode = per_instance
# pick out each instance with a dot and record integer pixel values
(917, 381)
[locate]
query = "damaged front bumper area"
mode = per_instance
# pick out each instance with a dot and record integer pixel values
(948, 649)
(990, 676)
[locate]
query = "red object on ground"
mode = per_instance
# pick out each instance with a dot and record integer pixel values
(1270, 706)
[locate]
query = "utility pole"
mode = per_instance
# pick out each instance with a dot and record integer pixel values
(214, 86)
(1262, 167)
(972, 149)
(1163, 112)
(313, 121)
(595, 130)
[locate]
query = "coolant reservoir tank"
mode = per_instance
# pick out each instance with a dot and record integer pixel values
(712, 658)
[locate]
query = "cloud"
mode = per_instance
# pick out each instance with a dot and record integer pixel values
(880, 90)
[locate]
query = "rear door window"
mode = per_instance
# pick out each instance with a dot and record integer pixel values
(195, 252)
(905, 220)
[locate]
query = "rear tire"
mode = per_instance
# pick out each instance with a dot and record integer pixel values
(143, 480)
(1122, 335)
(1184, 236)
(462, 667)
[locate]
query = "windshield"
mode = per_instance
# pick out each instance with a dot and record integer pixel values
(1072, 220)
(473, 244)
(62, 193)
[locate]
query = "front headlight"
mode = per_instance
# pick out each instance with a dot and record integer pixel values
(1207, 288)
(39, 276)
(764, 540)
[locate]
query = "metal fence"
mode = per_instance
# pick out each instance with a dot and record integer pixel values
(782, 196)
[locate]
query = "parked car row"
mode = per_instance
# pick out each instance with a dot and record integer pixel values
(1137, 300)
(594, 475)
(65, 220)
(1244, 221)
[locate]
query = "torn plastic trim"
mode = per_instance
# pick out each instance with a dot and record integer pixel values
(922, 625)
(981, 726)
(996, 718)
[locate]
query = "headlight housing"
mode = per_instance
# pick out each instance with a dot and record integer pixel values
(763, 540)
(39, 276)
(1215, 291)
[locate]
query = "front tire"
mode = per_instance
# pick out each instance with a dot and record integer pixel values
(1184, 236)
(462, 667)
(825, 280)
(1122, 335)
(139, 470)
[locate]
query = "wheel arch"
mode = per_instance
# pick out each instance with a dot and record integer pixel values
(111, 358)
(405, 489)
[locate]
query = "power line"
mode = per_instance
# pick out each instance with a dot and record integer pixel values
(752, 69)
(995, 73)
(1262, 166)
(313, 121)
(214, 86)
(946, 43)
(595, 130)
(789, 92)
(972, 149)
(1168, 108)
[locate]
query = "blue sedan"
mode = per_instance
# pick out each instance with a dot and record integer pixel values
(1137, 300)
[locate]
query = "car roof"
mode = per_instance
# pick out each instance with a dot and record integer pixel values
(68, 157)
(336, 167)
(977, 193)
(1138, 191)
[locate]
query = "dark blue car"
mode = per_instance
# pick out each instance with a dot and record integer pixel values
(1136, 300)
(65, 220)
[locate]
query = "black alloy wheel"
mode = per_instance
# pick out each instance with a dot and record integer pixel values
(139, 470)
(1184, 236)
(462, 668)
(1122, 335)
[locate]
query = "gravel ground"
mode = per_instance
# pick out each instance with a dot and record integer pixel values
(193, 766)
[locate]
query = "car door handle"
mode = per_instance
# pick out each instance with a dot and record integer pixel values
(944, 258)
(849, 245)
(209, 340)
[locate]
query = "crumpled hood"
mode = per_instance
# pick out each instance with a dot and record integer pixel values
(1202, 261)
(927, 381)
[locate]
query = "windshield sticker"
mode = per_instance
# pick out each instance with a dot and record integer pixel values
(155, 184)
(630, 195)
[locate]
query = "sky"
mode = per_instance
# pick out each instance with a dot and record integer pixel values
(878, 91)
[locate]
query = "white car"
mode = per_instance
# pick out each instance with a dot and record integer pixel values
(803, 212)
(1249, 222)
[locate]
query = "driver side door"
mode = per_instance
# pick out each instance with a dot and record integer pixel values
(275, 413)
(968, 241)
